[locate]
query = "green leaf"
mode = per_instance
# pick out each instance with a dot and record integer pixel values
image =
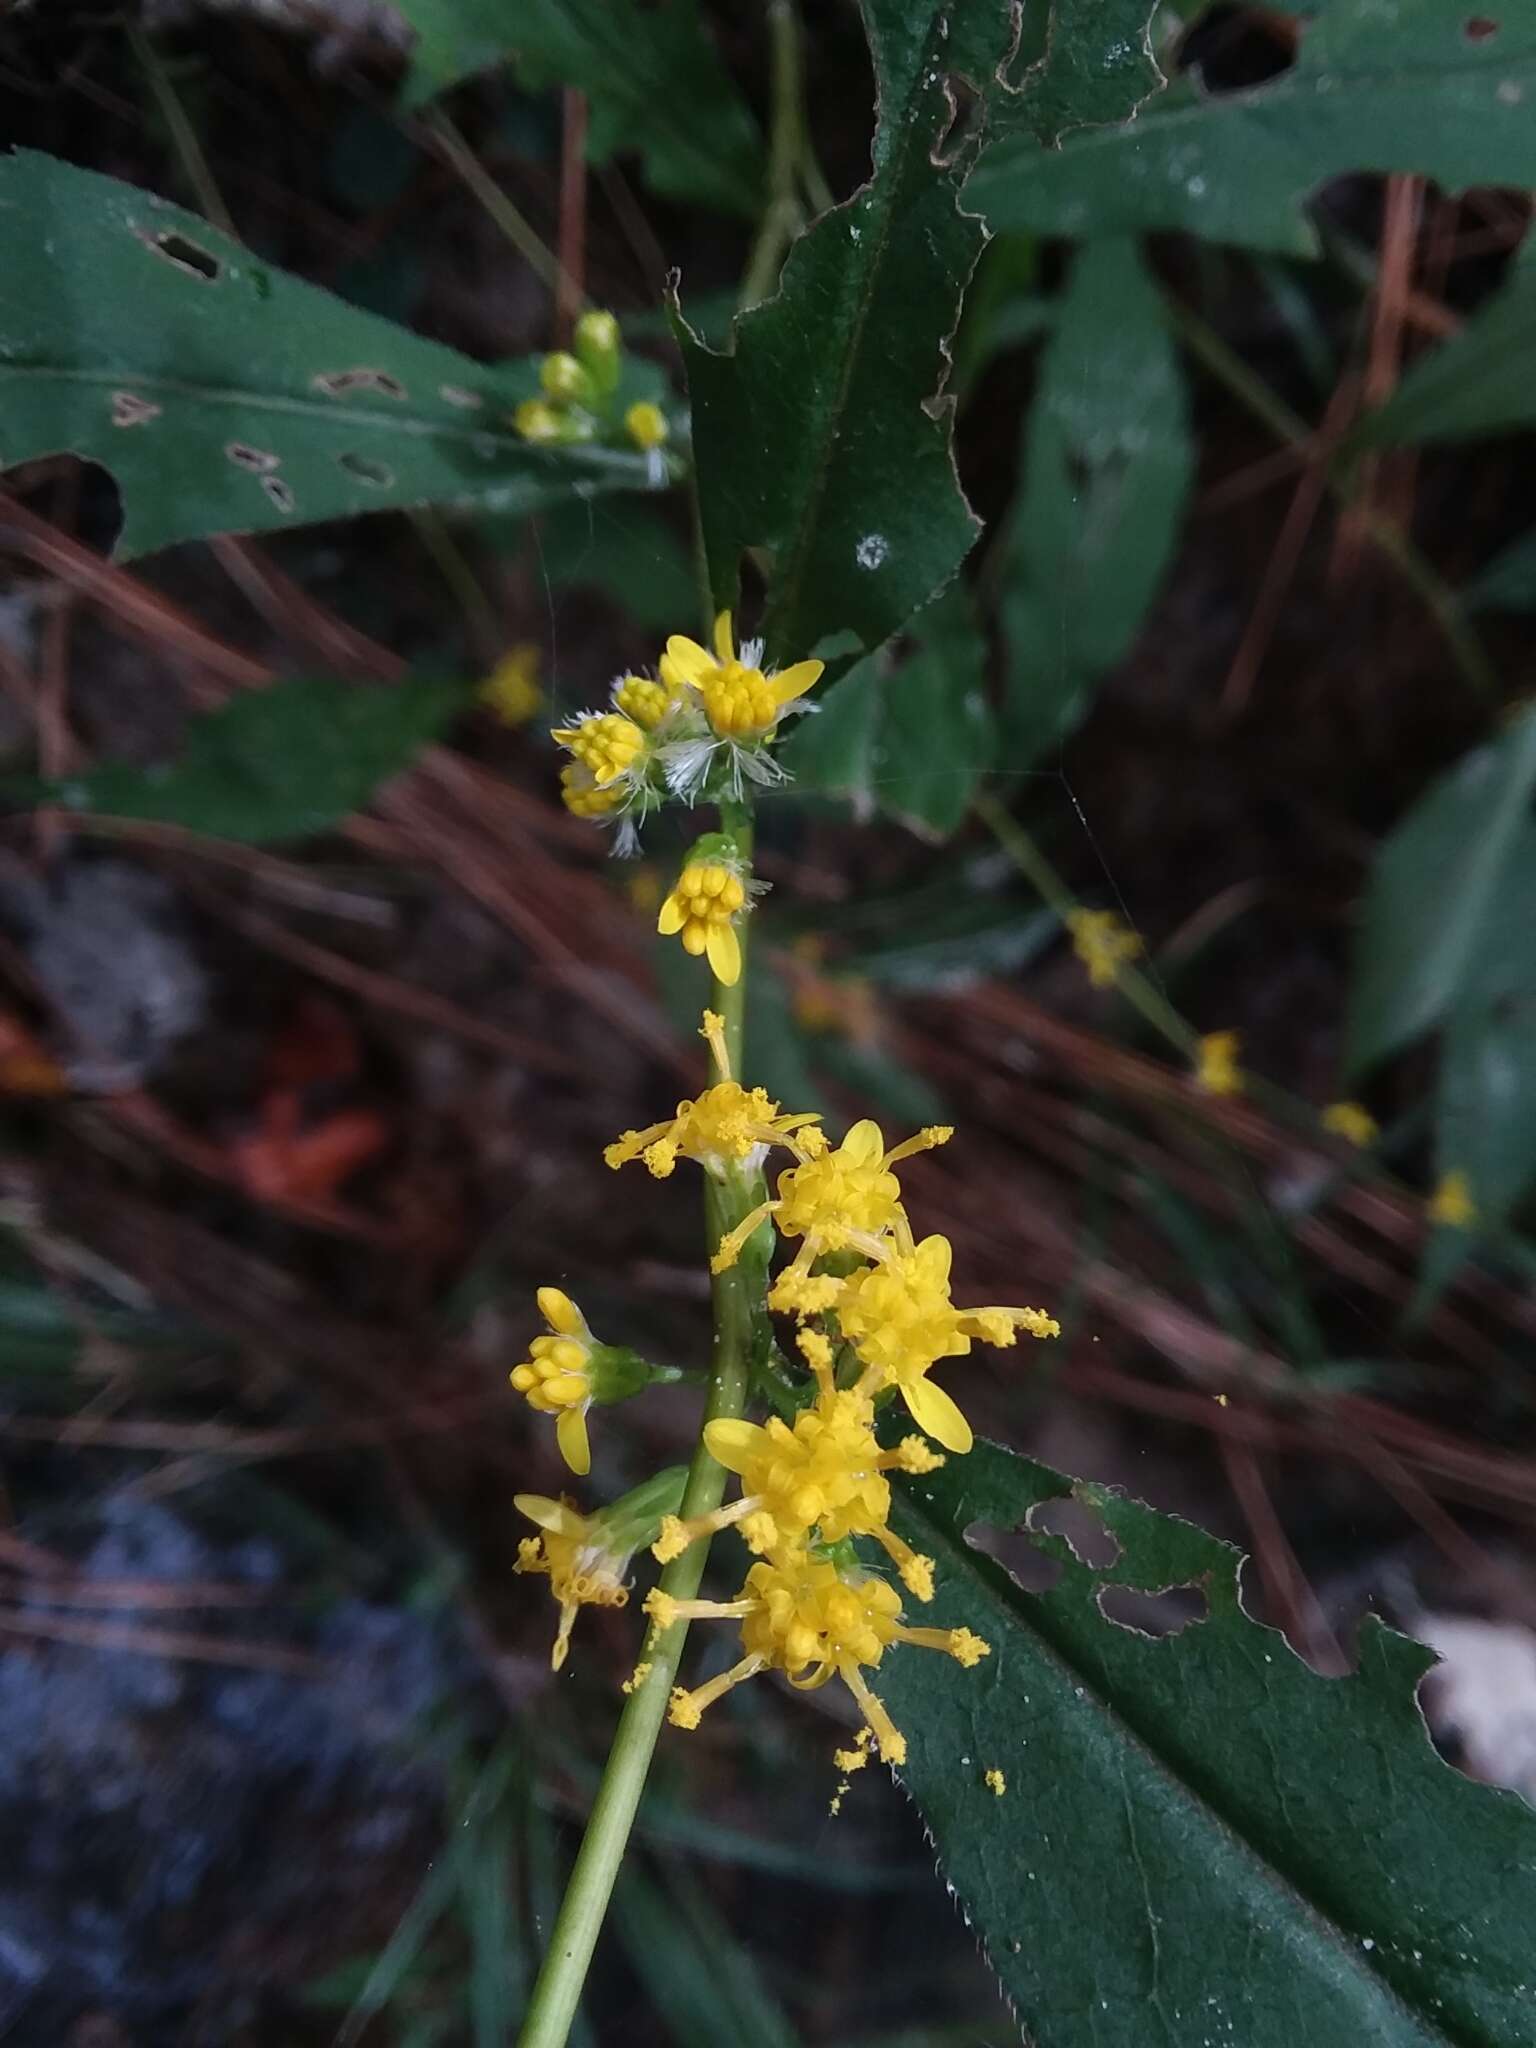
(1201, 1839)
(1438, 896)
(1508, 583)
(1478, 382)
(820, 435)
(1106, 474)
(1485, 1123)
(1413, 86)
(225, 395)
(1080, 63)
(273, 764)
(654, 81)
(914, 740)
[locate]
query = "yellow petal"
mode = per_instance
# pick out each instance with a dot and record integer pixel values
(935, 1256)
(571, 1436)
(553, 1515)
(936, 1414)
(725, 954)
(735, 1444)
(561, 1313)
(793, 682)
(725, 642)
(671, 918)
(686, 659)
(865, 1141)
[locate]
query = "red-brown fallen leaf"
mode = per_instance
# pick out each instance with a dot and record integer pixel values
(281, 1162)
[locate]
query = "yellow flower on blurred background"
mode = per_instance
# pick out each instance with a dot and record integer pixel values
(1352, 1122)
(511, 691)
(1216, 1068)
(706, 900)
(1452, 1204)
(1103, 944)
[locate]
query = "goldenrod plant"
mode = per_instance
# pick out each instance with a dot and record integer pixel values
(1163, 1836)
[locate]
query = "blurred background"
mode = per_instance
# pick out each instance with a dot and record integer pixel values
(292, 1131)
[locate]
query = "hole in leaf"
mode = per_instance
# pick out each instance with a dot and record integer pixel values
(1165, 1613)
(257, 460)
(129, 410)
(1085, 1532)
(1479, 28)
(341, 383)
(186, 256)
(378, 474)
(1025, 1563)
(965, 105)
(1232, 48)
(278, 492)
(455, 394)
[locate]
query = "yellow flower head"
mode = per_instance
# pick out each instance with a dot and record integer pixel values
(572, 1554)
(702, 909)
(826, 1472)
(556, 1377)
(1103, 944)
(1216, 1070)
(900, 1320)
(564, 380)
(846, 1198)
(726, 1127)
(800, 1615)
(605, 743)
(586, 1557)
(580, 794)
(740, 701)
(643, 700)
(1352, 1122)
(511, 690)
(646, 425)
(537, 420)
(1452, 1204)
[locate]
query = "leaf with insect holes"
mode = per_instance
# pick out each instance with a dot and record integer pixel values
(1107, 468)
(1450, 899)
(280, 763)
(1378, 85)
(820, 434)
(652, 75)
(226, 396)
(1199, 1839)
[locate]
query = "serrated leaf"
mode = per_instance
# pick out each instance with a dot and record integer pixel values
(1437, 897)
(1414, 85)
(653, 77)
(226, 395)
(820, 435)
(1200, 1839)
(1478, 382)
(913, 740)
(1081, 63)
(273, 764)
(1107, 468)
(1485, 1120)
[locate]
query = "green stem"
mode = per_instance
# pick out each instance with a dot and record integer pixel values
(786, 157)
(736, 1297)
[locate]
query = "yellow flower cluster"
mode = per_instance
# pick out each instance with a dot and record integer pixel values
(578, 396)
(701, 727)
(873, 1327)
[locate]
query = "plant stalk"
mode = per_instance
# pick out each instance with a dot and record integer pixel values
(735, 1296)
